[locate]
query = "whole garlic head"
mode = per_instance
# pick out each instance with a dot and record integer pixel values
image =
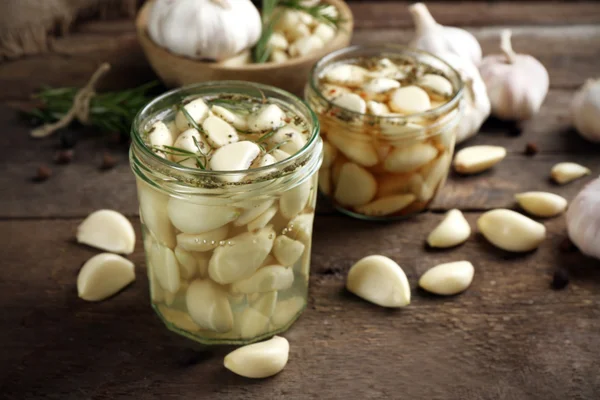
(210, 29)
(437, 39)
(585, 110)
(517, 84)
(583, 219)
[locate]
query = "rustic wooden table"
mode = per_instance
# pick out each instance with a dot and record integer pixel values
(508, 337)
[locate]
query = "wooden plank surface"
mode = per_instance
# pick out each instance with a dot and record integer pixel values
(508, 337)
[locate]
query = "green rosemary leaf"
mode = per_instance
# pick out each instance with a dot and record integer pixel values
(265, 136)
(179, 150)
(278, 145)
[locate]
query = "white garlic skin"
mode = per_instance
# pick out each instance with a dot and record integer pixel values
(437, 39)
(583, 219)
(585, 110)
(516, 84)
(211, 29)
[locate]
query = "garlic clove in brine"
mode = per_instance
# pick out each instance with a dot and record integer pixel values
(583, 219)
(585, 110)
(517, 84)
(437, 39)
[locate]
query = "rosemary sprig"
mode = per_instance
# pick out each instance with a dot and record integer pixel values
(190, 120)
(265, 136)
(178, 151)
(278, 145)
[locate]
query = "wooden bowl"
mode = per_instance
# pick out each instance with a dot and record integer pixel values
(175, 70)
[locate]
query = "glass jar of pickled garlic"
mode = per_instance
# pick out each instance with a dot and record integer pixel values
(227, 178)
(388, 120)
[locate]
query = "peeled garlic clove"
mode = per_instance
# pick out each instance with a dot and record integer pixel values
(287, 310)
(187, 141)
(259, 360)
(386, 205)
(197, 110)
(254, 321)
(153, 212)
(230, 117)
(410, 100)
(542, 204)
(287, 251)
(267, 118)
(329, 154)
(234, 157)
(452, 231)
(208, 305)
(165, 267)
(306, 45)
(104, 275)
(583, 219)
(475, 159)
(218, 132)
(325, 32)
(296, 33)
(242, 257)
(517, 84)
(280, 155)
(585, 110)
(448, 279)
(437, 39)
(346, 75)
(406, 159)
(293, 140)
(187, 263)
(436, 85)
(380, 85)
(196, 218)
(160, 135)
(330, 91)
(355, 187)
(253, 211)
(107, 230)
(178, 318)
(434, 178)
(300, 228)
(351, 101)
(379, 280)
(263, 161)
(566, 172)
(510, 230)
(205, 241)
(277, 41)
(266, 279)
(375, 108)
(294, 200)
(262, 220)
(358, 151)
(278, 56)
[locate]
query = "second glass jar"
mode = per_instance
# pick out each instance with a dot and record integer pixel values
(388, 119)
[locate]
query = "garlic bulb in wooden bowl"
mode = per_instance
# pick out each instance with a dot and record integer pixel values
(292, 38)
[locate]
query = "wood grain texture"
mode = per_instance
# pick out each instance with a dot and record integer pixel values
(508, 337)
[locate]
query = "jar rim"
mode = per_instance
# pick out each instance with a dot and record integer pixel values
(380, 48)
(141, 118)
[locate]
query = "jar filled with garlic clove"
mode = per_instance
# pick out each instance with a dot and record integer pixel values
(388, 117)
(227, 178)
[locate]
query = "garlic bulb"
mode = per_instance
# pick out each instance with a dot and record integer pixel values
(437, 39)
(583, 219)
(585, 110)
(517, 84)
(210, 29)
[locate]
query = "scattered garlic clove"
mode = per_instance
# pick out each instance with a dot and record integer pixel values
(380, 85)
(409, 158)
(218, 132)
(566, 172)
(375, 108)
(542, 204)
(475, 159)
(358, 151)
(351, 101)
(287, 251)
(160, 135)
(187, 141)
(294, 200)
(266, 279)
(306, 45)
(267, 118)
(259, 360)
(188, 265)
(379, 280)
(355, 187)
(386, 205)
(585, 110)
(262, 220)
(448, 279)
(253, 211)
(346, 75)
(208, 305)
(325, 32)
(583, 219)
(286, 310)
(153, 212)
(410, 100)
(510, 230)
(242, 257)
(197, 109)
(329, 154)
(165, 267)
(437, 86)
(197, 218)
(201, 242)
(228, 116)
(107, 230)
(104, 275)
(517, 84)
(452, 231)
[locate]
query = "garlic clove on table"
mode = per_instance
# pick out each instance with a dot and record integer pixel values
(510, 230)
(452, 231)
(104, 275)
(585, 110)
(566, 172)
(259, 360)
(475, 159)
(107, 230)
(583, 219)
(448, 279)
(517, 84)
(542, 204)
